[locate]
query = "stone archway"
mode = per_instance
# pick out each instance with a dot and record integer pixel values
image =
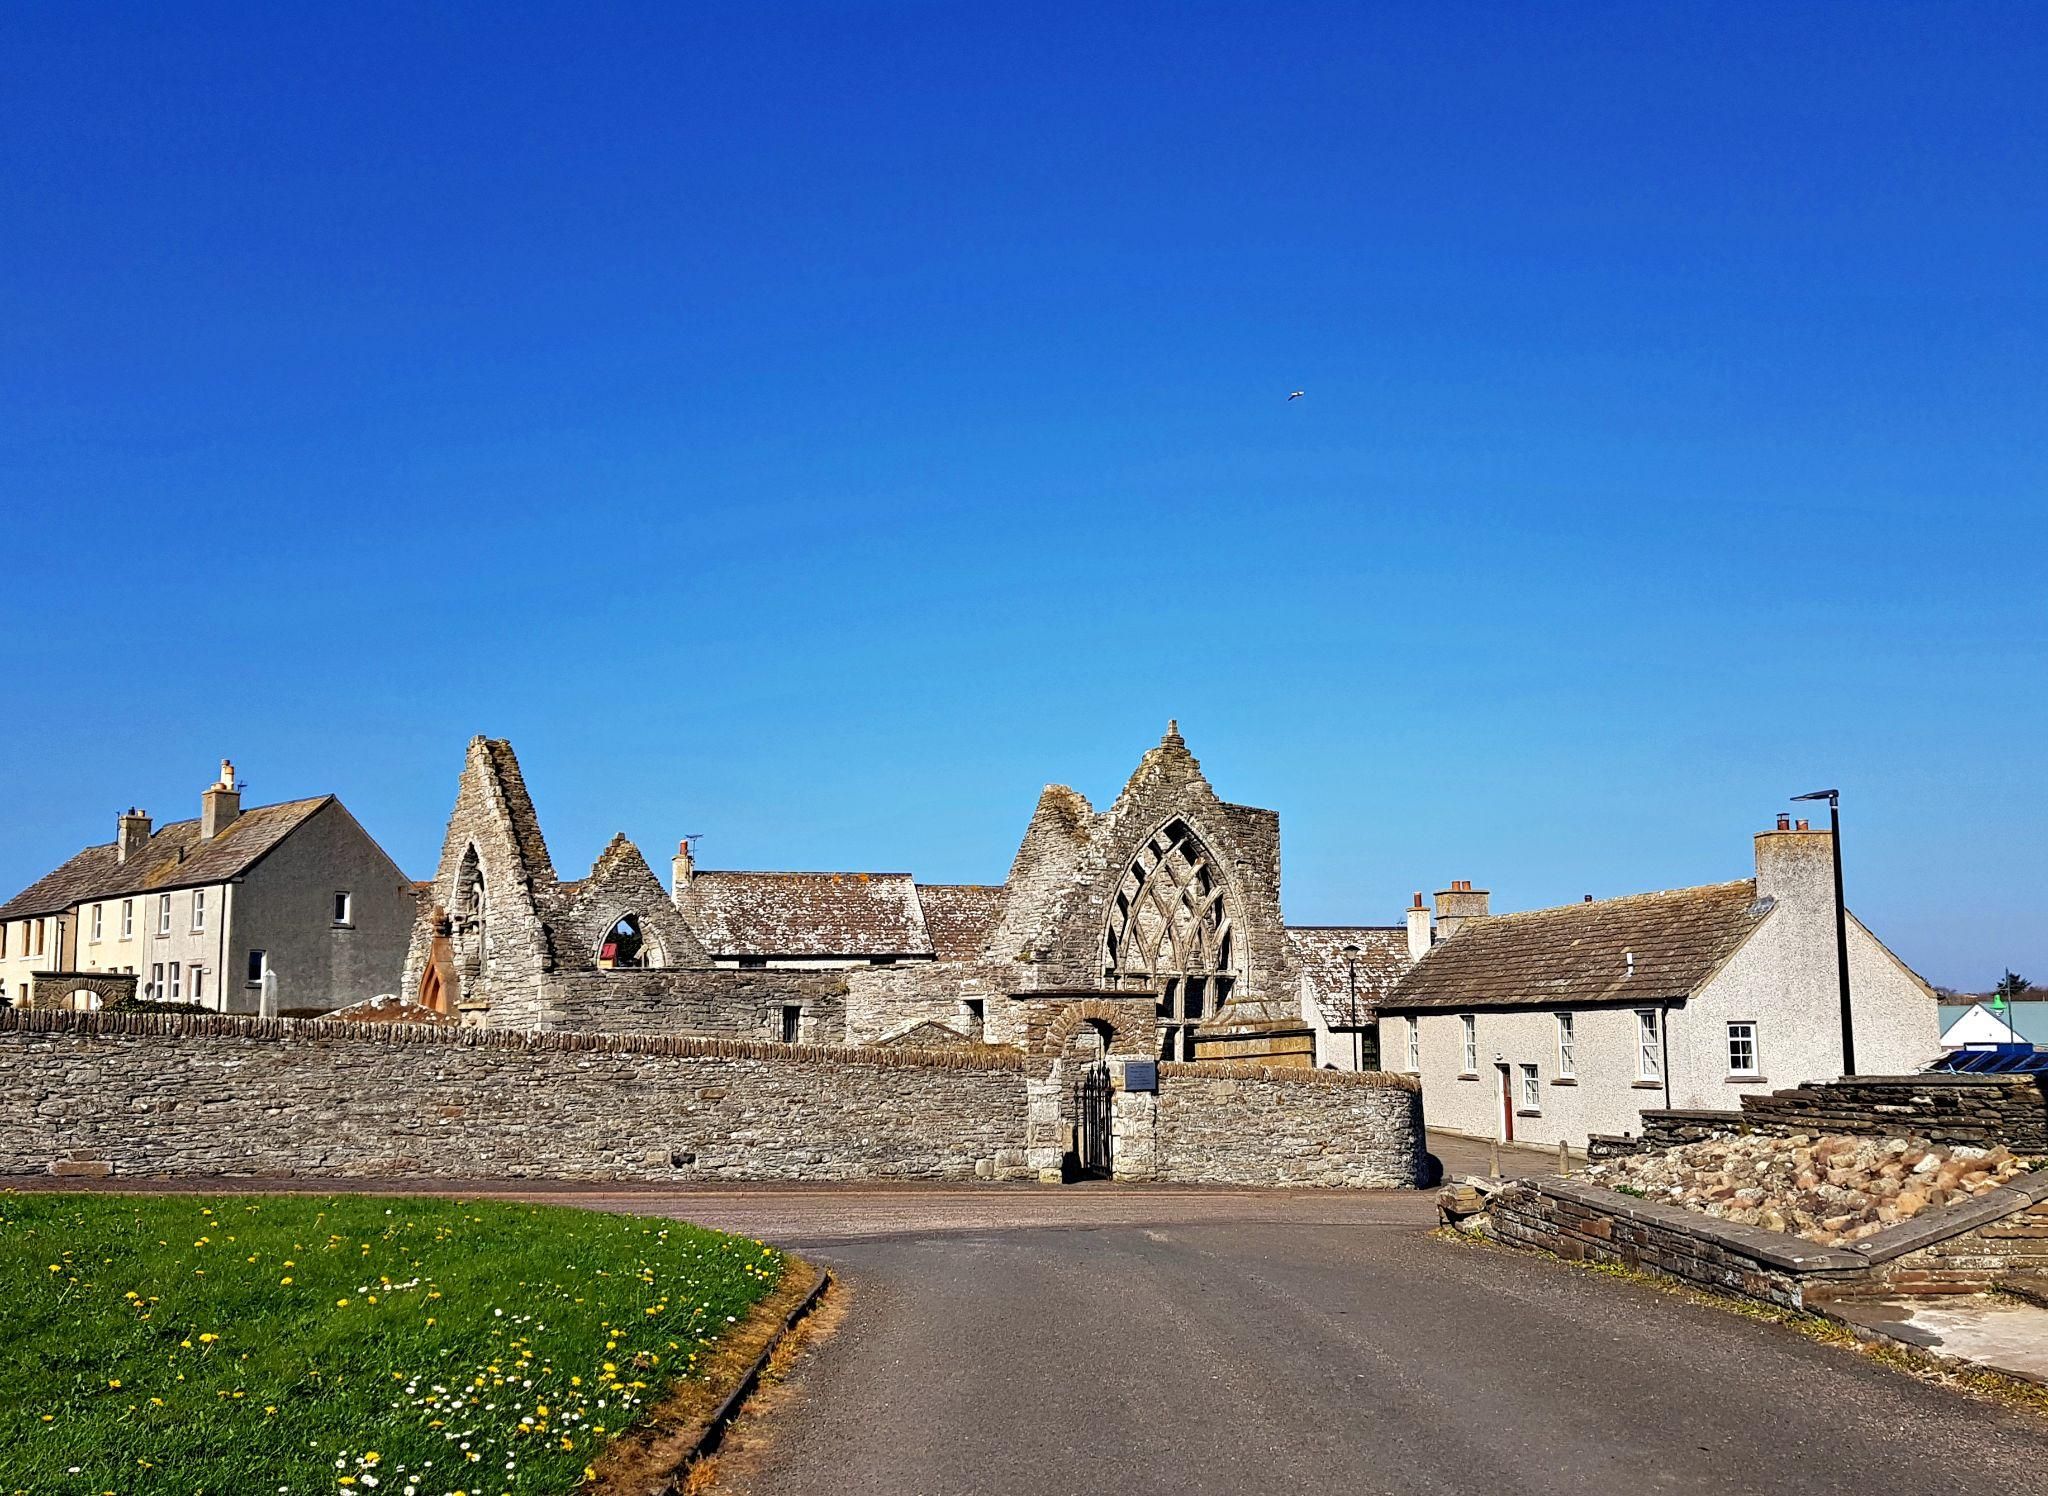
(80, 991)
(1076, 1044)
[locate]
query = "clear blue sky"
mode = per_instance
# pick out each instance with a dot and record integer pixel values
(817, 427)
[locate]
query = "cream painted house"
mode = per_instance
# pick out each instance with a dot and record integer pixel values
(198, 911)
(1555, 1024)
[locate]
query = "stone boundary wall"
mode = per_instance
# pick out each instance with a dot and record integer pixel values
(171, 1094)
(1958, 1110)
(1998, 1238)
(1237, 1123)
(666, 1000)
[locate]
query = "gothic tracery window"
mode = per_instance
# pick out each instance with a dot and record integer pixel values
(1169, 930)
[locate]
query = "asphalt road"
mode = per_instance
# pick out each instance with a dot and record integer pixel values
(1238, 1343)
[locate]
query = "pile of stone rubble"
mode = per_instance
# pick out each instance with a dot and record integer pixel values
(1831, 1190)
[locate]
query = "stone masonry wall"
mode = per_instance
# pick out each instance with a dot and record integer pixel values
(1995, 1240)
(719, 1002)
(1971, 1110)
(1261, 1124)
(152, 1094)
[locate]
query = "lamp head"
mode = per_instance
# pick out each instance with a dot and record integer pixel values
(1828, 795)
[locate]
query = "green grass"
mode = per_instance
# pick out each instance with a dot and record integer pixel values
(369, 1345)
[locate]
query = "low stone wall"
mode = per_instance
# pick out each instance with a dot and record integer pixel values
(152, 1094)
(1976, 1110)
(718, 1001)
(1996, 1239)
(1979, 1111)
(1266, 1124)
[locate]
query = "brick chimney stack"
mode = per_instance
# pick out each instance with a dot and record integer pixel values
(1418, 930)
(219, 804)
(1457, 904)
(131, 833)
(684, 867)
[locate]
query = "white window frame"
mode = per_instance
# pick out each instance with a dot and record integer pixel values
(1531, 1097)
(1649, 1044)
(177, 991)
(156, 980)
(127, 919)
(99, 922)
(1567, 1048)
(1468, 1054)
(198, 911)
(344, 909)
(198, 983)
(1747, 1026)
(1414, 1044)
(259, 962)
(163, 914)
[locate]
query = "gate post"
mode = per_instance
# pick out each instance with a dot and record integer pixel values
(1134, 1123)
(1042, 1145)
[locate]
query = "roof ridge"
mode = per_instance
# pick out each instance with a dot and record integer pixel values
(1622, 898)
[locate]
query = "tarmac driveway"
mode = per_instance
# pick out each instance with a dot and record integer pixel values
(1157, 1341)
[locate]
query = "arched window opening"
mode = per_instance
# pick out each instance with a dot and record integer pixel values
(624, 948)
(1170, 931)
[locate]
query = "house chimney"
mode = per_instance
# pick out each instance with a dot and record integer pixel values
(1457, 904)
(684, 867)
(131, 833)
(1795, 865)
(1418, 930)
(219, 804)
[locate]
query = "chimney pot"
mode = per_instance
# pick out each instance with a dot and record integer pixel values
(1589, 898)
(1804, 827)
(1418, 901)
(1784, 821)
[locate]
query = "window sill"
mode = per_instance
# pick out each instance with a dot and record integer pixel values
(1742, 1079)
(1468, 1075)
(339, 926)
(1565, 1080)
(1646, 1085)
(1528, 1111)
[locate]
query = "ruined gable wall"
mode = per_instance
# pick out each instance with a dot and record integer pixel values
(622, 883)
(519, 880)
(1244, 842)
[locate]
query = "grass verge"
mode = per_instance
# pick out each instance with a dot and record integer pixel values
(2011, 1392)
(356, 1344)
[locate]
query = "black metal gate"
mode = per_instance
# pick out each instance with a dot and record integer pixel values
(1092, 1094)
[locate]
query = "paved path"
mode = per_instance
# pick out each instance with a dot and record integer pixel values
(1254, 1344)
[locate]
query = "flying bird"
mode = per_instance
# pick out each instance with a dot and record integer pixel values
(1297, 394)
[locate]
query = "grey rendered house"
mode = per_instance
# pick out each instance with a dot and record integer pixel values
(198, 911)
(1555, 1024)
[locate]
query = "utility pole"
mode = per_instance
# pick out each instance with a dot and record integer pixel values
(1834, 799)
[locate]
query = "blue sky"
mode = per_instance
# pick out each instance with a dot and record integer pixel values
(817, 427)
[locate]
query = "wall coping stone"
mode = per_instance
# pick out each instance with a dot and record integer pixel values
(1954, 1220)
(1772, 1246)
(1386, 1080)
(204, 1025)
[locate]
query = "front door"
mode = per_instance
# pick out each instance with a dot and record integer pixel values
(1507, 1107)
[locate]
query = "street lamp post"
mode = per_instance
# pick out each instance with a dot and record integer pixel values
(1834, 799)
(1357, 1033)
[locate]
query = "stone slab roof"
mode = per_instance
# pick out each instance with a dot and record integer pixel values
(1318, 952)
(174, 857)
(806, 914)
(1579, 953)
(959, 917)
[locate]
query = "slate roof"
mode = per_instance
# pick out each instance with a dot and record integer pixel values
(959, 917)
(1318, 952)
(806, 914)
(174, 857)
(1578, 953)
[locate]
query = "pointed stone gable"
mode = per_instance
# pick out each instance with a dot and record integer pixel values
(622, 883)
(1076, 861)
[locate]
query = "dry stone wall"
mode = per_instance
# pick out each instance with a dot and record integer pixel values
(153, 1094)
(1260, 1124)
(1981, 1111)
